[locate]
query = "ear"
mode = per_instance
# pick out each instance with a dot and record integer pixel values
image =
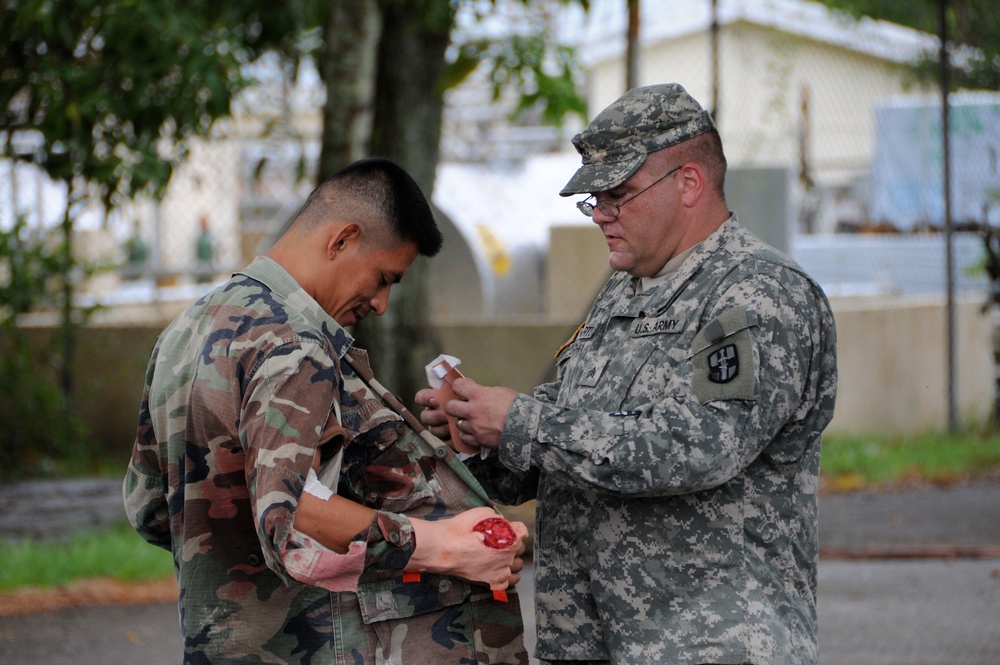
(692, 182)
(342, 237)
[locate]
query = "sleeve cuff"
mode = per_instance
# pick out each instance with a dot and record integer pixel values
(519, 433)
(309, 562)
(386, 545)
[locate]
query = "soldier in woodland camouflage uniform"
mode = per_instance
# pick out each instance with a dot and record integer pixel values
(675, 459)
(255, 405)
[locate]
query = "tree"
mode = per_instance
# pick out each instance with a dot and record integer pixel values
(411, 72)
(973, 27)
(105, 95)
(92, 91)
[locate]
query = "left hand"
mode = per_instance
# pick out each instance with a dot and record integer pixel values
(482, 410)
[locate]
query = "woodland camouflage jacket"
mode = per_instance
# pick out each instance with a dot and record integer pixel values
(241, 392)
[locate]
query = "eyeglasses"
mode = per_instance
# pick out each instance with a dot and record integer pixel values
(610, 208)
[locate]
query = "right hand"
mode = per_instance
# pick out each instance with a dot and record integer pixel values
(433, 416)
(450, 547)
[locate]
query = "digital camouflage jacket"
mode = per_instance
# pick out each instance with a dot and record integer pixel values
(676, 465)
(241, 392)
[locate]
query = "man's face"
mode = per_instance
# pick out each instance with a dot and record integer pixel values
(646, 232)
(363, 280)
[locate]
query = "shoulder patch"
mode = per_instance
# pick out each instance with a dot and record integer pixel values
(724, 364)
(722, 358)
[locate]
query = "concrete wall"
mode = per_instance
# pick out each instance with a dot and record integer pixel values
(892, 359)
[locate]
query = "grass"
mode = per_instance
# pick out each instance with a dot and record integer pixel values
(118, 553)
(854, 462)
(849, 462)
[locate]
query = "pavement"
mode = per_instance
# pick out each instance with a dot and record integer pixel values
(906, 577)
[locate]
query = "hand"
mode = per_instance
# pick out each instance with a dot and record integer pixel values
(451, 547)
(433, 417)
(481, 411)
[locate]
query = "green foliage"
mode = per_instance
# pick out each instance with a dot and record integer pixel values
(38, 423)
(541, 71)
(104, 95)
(861, 461)
(118, 553)
(973, 30)
(93, 89)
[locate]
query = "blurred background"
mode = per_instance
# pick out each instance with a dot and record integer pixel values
(148, 151)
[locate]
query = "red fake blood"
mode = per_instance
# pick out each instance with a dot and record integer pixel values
(497, 532)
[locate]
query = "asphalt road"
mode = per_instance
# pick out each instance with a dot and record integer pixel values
(907, 578)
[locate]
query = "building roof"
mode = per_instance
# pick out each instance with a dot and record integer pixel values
(603, 29)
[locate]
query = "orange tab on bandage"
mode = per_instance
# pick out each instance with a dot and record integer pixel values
(444, 371)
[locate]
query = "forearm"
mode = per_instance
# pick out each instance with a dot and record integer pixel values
(446, 546)
(647, 452)
(332, 522)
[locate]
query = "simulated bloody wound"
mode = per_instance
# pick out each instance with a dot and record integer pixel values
(497, 532)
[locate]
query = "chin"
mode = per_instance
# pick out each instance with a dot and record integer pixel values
(619, 263)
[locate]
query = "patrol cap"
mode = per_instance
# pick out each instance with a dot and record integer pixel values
(616, 142)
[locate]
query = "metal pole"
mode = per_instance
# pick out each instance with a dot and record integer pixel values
(715, 61)
(632, 46)
(949, 232)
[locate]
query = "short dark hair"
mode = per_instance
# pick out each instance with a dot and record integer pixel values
(706, 149)
(383, 198)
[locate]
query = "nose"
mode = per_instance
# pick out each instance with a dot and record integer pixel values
(600, 217)
(380, 301)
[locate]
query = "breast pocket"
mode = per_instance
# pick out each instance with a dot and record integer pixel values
(398, 478)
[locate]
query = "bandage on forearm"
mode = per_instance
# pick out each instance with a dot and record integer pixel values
(316, 488)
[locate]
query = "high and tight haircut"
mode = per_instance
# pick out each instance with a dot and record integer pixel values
(383, 198)
(706, 149)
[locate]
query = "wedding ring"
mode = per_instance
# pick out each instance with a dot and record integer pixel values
(458, 423)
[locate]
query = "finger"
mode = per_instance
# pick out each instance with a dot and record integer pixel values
(457, 408)
(469, 438)
(433, 418)
(502, 582)
(427, 397)
(463, 387)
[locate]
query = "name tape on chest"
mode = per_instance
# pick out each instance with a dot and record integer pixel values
(656, 326)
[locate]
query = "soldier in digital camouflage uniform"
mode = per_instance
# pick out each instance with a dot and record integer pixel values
(675, 459)
(256, 404)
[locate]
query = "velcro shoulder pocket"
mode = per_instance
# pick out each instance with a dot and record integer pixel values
(723, 359)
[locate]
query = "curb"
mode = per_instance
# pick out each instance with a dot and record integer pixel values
(935, 551)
